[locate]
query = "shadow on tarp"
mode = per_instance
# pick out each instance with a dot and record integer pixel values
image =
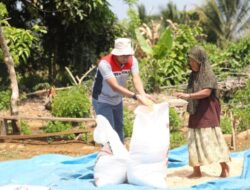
(61, 172)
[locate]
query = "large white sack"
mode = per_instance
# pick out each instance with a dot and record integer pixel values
(111, 164)
(149, 146)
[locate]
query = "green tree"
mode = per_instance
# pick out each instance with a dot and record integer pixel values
(20, 42)
(171, 12)
(142, 13)
(225, 19)
(15, 43)
(77, 32)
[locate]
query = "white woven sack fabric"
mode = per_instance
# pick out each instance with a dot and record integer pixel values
(149, 146)
(111, 164)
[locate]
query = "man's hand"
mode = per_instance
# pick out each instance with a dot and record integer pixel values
(145, 100)
(150, 97)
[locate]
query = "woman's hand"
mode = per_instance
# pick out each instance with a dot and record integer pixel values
(182, 95)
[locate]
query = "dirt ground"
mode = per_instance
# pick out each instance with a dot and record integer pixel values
(24, 149)
(27, 149)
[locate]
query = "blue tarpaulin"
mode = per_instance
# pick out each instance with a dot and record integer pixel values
(61, 172)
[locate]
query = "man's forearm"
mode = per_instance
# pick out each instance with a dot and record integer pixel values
(138, 84)
(120, 89)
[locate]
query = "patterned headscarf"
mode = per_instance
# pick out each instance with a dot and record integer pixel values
(202, 79)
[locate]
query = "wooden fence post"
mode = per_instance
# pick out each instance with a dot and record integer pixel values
(3, 128)
(233, 125)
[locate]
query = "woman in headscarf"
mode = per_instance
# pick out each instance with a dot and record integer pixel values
(206, 143)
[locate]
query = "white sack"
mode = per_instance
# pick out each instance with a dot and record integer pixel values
(110, 167)
(149, 145)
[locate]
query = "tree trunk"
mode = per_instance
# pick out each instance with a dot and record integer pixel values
(12, 74)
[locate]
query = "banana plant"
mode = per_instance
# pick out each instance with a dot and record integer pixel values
(160, 49)
(155, 53)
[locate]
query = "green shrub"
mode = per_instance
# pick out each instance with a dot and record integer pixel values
(241, 107)
(242, 96)
(244, 118)
(5, 100)
(32, 82)
(170, 68)
(174, 120)
(230, 60)
(57, 126)
(128, 122)
(239, 53)
(73, 102)
(86, 137)
(177, 138)
(41, 86)
(25, 129)
(225, 125)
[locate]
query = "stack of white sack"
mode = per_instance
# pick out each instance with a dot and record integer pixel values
(111, 164)
(149, 145)
(146, 163)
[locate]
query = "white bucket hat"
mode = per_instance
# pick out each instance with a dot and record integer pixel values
(123, 47)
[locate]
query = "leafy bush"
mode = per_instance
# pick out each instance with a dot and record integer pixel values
(241, 106)
(218, 58)
(57, 126)
(174, 120)
(5, 99)
(32, 82)
(177, 138)
(225, 125)
(25, 129)
(231, 60)
(244, 118)
(239, 53)
(128, 122)
(168, 68)
(41, 86)
(242, 97)
(73, 102)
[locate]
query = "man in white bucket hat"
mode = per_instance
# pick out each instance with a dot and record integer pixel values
(108, 89)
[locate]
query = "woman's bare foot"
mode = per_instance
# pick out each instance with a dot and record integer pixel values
(224, 169)
(195, 175)
(196, 172)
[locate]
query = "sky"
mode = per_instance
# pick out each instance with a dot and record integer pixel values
(152, 6)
